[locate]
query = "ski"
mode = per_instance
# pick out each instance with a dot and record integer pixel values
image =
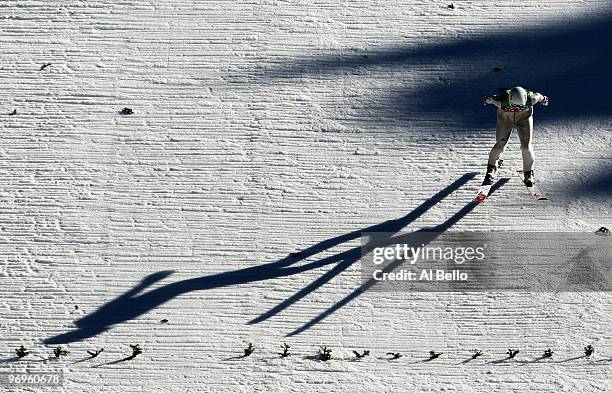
(483, 193)
(535, 190)
(485, 188)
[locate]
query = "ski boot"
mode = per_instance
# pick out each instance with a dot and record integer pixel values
(490, 176)
(528, 180)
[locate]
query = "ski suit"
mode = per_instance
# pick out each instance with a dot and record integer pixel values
(512, 116)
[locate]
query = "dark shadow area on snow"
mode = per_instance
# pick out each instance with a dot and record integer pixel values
(567, 59)
(591, 182)
(132, 304)
(596, 182)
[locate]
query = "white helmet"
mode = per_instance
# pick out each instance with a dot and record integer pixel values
(518, 96)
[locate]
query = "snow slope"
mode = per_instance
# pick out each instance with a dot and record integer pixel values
(266, 127)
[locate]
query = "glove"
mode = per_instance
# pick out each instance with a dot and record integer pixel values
(484, 101)
(545, 101)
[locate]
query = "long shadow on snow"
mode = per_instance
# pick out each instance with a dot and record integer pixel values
(131, 305)
(432, 233)
(569, 60)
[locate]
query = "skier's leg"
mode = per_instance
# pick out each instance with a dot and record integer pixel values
(503, 128)
(525, 132)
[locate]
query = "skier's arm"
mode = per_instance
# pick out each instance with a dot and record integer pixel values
(492, 100)
(539, 97)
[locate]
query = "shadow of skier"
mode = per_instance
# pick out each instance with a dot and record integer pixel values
(432, 233)
(131, 305)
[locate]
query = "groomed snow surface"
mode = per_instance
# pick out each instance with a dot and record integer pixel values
(262, 128)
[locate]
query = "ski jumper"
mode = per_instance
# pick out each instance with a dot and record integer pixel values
(511, 116)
